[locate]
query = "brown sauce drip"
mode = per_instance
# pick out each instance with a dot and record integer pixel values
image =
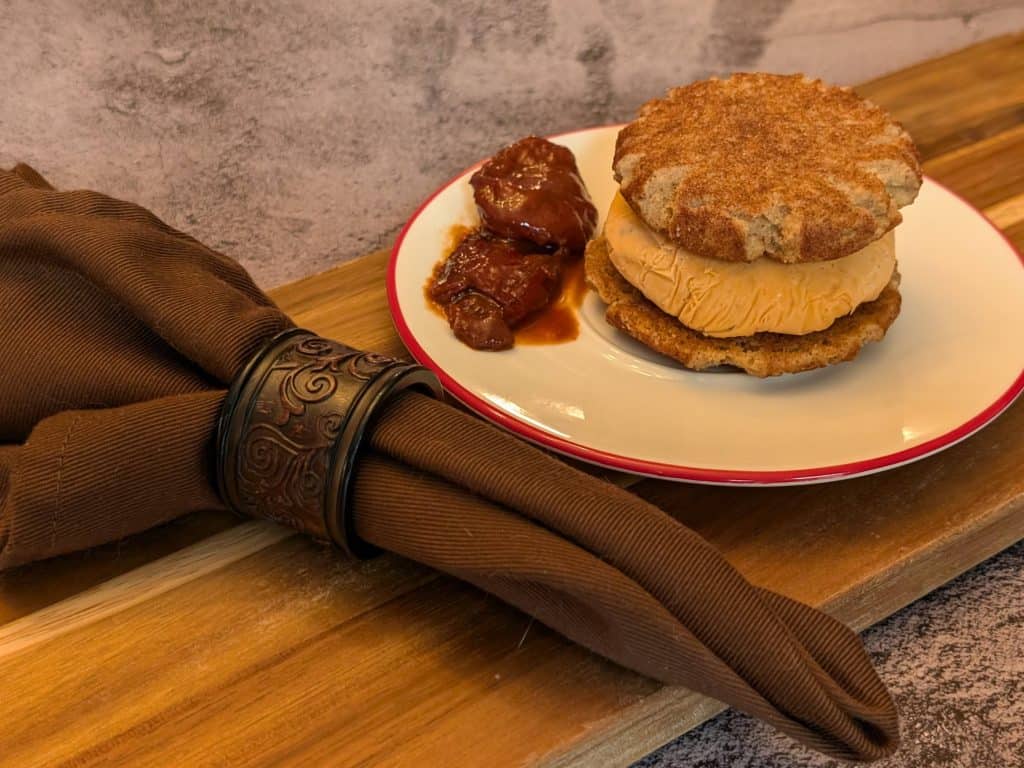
(559, 321)
(456, 234)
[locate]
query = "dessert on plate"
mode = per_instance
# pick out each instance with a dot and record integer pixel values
(753, 226)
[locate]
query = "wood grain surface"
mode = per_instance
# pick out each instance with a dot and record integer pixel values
(221, 642)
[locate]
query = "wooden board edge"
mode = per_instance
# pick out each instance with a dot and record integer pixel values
(138, 585)
(639, 730)
(671, 712)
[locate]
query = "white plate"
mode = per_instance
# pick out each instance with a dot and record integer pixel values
(952, 362)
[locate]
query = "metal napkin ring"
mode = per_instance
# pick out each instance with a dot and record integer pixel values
(291, 427)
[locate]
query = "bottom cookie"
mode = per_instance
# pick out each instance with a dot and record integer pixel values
(763, 354)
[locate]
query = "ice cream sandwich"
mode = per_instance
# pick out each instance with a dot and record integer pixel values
(753, 226)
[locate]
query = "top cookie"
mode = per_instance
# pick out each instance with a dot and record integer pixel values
(760, 165)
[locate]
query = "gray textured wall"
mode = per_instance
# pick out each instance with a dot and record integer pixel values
(296, 134)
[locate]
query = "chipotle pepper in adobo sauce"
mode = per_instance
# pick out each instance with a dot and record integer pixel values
(536, 219)
(532, 190)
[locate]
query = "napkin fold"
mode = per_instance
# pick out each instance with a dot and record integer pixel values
(119, 337)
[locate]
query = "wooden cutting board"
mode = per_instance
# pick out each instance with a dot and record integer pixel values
(215, 641)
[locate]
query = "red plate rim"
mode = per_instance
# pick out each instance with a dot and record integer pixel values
(675, 471)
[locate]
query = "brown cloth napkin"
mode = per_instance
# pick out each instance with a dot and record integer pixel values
(119, 336)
